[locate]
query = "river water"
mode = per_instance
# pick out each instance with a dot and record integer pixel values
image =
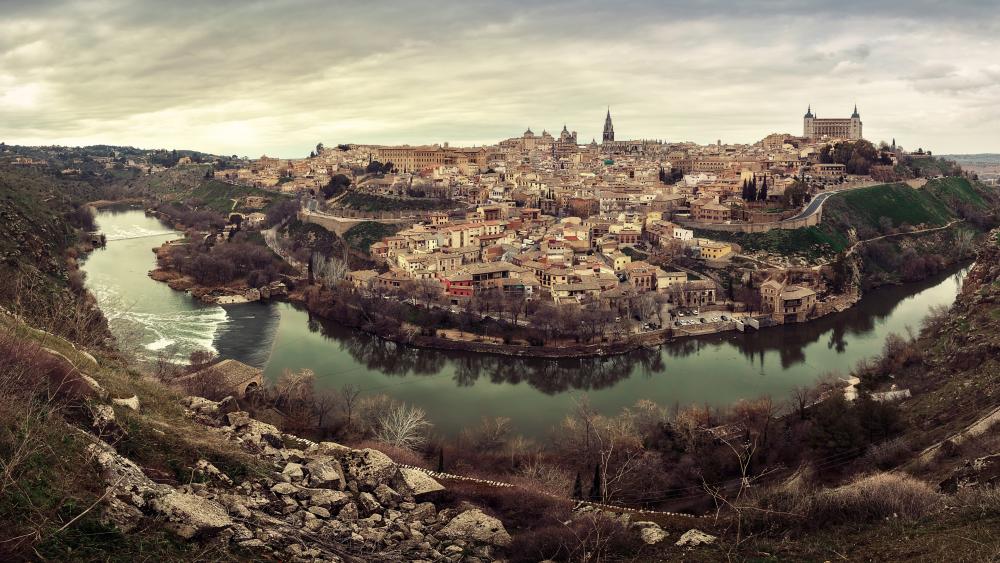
(456, 389)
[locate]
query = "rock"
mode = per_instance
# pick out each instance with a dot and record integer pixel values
(349, 513)
(477, 526)
(103, 416)
(284, 489)
(385, 494)
(191, 516)
(326, 474)
(370, 467)
(332, 449)
(423, 510)
(132, 402)
(416, 482)
(205, 468)
(254, 431)
(368, 502)
(652, 535)
(328, 498)
(292, 472)
(201, 406)
(319, 511)
(228, 405)
(694, 538)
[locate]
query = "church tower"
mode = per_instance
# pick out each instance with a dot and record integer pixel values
(855, 132)
(609, 129)
(807, 124)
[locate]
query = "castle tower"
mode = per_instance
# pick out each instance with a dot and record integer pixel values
(855, 131)
(609, 129)
(807, 123)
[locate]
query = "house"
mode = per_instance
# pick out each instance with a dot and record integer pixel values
(787, 303)
(362, 279)
(712, 250)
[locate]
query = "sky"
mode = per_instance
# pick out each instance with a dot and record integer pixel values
(252, 77)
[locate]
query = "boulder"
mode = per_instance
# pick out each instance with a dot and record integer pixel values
(292, 472)
(326, 474)
(416, 482)
(652, 535)
(191, 516)
(132, 402)
(386, 494)
(328, 498)
(284, 489)
(331, 449)
(370, 467)
(474, 525)
(201, 406)
(694, 537)
(368, 502)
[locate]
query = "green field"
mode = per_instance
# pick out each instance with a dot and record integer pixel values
(898, 202)
(954, 190)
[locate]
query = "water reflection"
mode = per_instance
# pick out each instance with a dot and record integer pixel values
(791, 345)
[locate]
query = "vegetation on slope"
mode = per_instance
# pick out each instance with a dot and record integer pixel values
(366, 233)
(368, 202)
(875, 211)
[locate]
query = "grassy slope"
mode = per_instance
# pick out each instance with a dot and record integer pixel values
(364, 234)
(368, 202)
(863, 210)
(59, 481)
(186, 183)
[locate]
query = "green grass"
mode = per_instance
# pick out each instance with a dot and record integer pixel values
(898, 202)
(368, 202)
(218, 196)
(808, 241)
(954, 190)
(362, 235)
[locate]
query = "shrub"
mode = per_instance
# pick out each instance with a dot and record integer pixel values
(874, 497)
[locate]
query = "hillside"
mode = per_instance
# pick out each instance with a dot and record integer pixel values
(874, 211)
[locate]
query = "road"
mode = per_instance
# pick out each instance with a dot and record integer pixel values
(814, 205)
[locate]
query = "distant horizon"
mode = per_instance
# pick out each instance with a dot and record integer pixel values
(276, 78)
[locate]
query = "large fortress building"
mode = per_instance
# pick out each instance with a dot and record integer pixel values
(816, 128)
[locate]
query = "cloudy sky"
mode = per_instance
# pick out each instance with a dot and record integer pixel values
(250, 77)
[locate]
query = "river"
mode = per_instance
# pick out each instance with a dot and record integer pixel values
(456, 389)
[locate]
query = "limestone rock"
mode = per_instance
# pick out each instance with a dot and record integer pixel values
(416, 482)
(326, 474)
(477, 526)
(694, 537)
(328, 498)
(192, 516)
(284, 489)
(132, 402)
(651, 533)
(292, 472)
(201, 406)
(370, 467)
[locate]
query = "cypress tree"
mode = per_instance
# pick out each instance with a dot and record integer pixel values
(762, 194)
(441, 460)
(578, 487)
(595, 487)
(752, 192)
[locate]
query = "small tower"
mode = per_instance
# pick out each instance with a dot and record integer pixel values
(855, 132)
(609, 129)
(807, 124)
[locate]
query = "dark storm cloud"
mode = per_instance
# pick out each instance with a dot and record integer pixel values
(251, 77)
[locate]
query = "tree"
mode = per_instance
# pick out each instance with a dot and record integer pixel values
(595, 486)
(337, 184)
(762, 193)
(578, 483)
(441, 460)
(403, 426)
(348, 395)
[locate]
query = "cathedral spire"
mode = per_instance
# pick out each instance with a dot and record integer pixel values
(609, 129)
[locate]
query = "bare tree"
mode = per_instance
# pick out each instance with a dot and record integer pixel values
(403, 426)
(348, 395)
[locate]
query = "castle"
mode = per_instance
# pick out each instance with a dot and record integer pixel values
(815, 128)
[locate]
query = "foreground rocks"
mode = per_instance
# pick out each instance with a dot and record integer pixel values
(320, 501)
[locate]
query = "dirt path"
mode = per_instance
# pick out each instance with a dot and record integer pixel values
(977, 428)
(860, 242)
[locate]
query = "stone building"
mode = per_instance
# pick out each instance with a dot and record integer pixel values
(815, 128)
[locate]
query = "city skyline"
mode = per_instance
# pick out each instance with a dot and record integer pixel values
(278, 78)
